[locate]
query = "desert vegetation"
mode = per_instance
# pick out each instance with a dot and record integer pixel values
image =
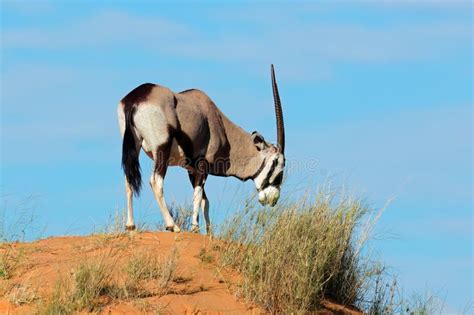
(300, 254)
(298, 257)
(98, 281)
(7, 262)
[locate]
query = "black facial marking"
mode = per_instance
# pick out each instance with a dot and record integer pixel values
(260, 169)
(266, 181)
(278, 179)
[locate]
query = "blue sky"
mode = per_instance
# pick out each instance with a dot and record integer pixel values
(377, 96)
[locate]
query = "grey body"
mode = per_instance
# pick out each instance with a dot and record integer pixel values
(186, 129)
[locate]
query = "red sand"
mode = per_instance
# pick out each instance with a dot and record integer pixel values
(206, 289)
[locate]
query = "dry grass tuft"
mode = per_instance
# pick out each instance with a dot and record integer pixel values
(115, 224)
(388, 298)
(155, 271)
(182, 216)
(92, 284)
(294, 255)
(422, 305)
(205, 256)
(7, 263)
(90, 281)
(22, 294)
(60, 302)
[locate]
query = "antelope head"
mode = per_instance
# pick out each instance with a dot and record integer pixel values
(269, 177)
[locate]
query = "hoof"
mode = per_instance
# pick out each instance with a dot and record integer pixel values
(195, 229)
(130, 227)
(173, 228)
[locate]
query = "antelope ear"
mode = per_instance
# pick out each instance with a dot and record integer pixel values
(258, 141)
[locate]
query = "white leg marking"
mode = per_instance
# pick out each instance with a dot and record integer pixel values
(156, 183)
(197, 199)
(205, 212)
(130, 225)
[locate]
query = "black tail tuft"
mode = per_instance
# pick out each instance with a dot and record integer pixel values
(130, 152)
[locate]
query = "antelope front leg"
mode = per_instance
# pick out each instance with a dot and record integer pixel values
(205, 211)
(197, 199)
(198, 179)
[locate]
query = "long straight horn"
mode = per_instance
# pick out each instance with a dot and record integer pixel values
(279, 115)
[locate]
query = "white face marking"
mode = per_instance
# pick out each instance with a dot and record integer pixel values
(269, 196)
(278, 168)
(259, 180)
(269, 171)
(268, 193)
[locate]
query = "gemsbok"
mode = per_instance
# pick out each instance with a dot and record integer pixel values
(187, 129)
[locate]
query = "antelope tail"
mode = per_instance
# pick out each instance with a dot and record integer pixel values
(130, 152)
